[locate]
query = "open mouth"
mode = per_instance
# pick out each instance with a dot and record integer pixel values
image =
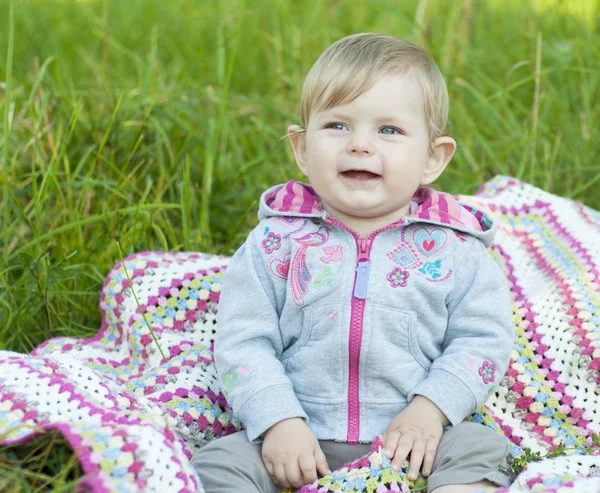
(355, 174)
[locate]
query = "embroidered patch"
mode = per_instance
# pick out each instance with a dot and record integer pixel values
(487, 372)
(333, 254)
(398, 278)
(324, 279)
(430, 241)
(297, 229)
(271, 243)
(432, 269)
(229, 381)
(300, 275)
(330, 313)
(404, 257)
(279, 267)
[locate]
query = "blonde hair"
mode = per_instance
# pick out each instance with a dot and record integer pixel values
(354, 64)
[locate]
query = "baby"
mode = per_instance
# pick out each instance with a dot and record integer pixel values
(365, 303)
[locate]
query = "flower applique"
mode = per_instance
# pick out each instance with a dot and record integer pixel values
(271, 243)
(398, 277)
(487, 372)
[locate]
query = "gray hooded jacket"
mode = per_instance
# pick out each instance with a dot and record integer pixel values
(342, 331)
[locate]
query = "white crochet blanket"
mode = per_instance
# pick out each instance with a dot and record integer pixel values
(135, 419)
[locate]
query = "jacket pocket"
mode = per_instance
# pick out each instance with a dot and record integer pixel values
(314, 363)
(393, 362)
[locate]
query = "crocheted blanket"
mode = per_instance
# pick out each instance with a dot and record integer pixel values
(135, 418)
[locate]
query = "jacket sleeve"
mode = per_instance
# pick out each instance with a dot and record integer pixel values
(248, 343)
(478, 339)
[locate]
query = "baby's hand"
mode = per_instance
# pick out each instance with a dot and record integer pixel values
(292, 455)
(416, 430)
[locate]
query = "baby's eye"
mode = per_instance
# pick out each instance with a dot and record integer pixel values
(335, 126)
(390, 131)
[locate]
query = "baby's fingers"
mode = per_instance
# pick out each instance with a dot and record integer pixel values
(430, 451)
(416, 458)
(390, 442)
(280, 477)
(321, 460)
(294, 474)
(404, 447)
(308, 468)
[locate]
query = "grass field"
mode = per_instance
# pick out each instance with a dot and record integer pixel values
(159, 124)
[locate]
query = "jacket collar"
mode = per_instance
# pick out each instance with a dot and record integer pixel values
(298, 199)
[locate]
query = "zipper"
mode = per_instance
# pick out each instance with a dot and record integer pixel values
(359, 295)
(361, 281)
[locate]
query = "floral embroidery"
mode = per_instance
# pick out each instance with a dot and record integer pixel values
(487, 372)
(271, 243)
(229, 382)
(398, 277)
(324, 279)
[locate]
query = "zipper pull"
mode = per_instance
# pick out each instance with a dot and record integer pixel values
(362, 279)
(363, 244)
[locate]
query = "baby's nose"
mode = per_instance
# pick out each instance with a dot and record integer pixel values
(360, 144)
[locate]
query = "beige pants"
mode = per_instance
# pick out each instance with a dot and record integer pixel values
(467, 453)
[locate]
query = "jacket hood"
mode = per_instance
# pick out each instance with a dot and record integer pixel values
(427, 205)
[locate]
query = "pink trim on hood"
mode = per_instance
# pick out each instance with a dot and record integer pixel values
(294, 197)
(427, 204)
(443, 208)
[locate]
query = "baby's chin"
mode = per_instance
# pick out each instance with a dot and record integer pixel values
(363, 213)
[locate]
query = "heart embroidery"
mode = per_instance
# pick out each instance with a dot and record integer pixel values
(283, 268)
(279, 267)
(430, 241)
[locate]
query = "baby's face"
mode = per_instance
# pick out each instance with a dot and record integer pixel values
(366, 158)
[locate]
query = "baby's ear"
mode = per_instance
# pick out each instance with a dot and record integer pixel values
(297, 136)
(441, 153)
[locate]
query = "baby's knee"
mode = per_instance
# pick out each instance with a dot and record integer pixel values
(470, 452)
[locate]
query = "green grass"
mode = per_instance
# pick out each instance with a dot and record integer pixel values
(158, 124)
